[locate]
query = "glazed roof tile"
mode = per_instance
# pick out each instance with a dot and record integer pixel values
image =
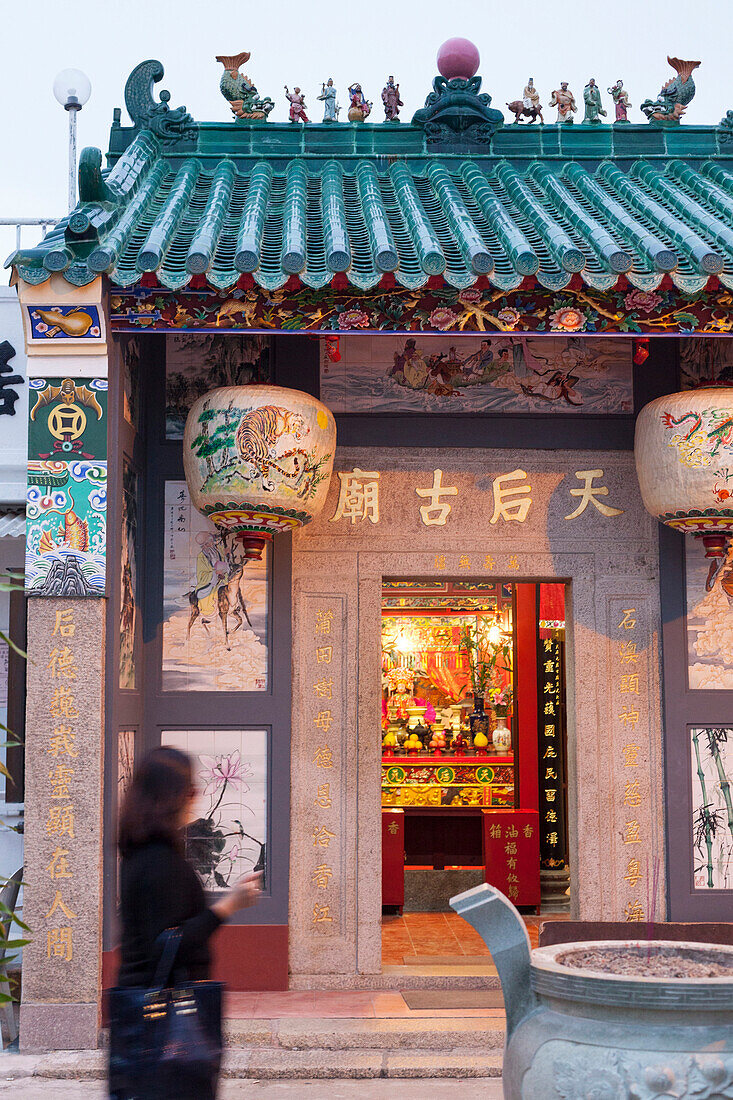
(361, 202)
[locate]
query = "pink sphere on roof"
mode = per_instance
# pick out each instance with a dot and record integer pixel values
(458, 58)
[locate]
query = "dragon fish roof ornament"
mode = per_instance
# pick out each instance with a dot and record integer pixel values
(676, 94)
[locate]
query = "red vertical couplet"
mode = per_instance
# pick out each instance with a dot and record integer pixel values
(393, 858)
(525, 721)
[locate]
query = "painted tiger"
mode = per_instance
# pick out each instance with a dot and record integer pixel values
(257, 436)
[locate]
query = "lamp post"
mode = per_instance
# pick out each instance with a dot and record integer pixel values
(72, 90)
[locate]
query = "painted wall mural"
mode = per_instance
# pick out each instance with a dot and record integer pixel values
(709, 621)
(228, 835)
(131, 356)
(68, 418)
(125, 762)
(705, 361)
(64, 323)
(128, 575)
(197, 364)
(494, 374)
(712, 822)
(215, 605)
(66, 529)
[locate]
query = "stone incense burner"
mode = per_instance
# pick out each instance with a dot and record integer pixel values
(585, 1034)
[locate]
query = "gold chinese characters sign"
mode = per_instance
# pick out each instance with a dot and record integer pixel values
(325, 699)
(435, 498)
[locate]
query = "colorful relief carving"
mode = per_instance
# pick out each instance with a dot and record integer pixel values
(228, 835)
(445, 309)
(64, 323)
(67, 418)
(66, 531)
(215, 605)
(709, 621)
(497, 373)
(712, 819)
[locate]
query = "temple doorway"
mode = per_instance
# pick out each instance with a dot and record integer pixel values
(474, 760)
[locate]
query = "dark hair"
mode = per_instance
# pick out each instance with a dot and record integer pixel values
(152, 807)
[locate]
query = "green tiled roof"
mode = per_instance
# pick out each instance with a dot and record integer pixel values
(360, 201)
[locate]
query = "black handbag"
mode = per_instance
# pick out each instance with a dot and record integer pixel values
(165, 1042)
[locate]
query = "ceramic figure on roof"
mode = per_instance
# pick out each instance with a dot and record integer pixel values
(676, 94)
(328, 97)
(359, 107)
(391, 100)
(240, 92)
(529, 105)
(564, 100)
(592, 99)
(296, 99)
(620, 100)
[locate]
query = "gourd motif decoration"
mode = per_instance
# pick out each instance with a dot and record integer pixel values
(684, 461)
(258, 460)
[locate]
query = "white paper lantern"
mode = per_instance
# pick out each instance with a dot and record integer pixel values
(258, 460)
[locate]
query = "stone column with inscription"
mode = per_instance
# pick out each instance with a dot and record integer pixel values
(65, 580)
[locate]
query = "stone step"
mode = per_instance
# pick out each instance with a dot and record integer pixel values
(272, 1063)
(484, 1033)
(404, 977)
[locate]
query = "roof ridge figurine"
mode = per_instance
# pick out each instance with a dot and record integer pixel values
(620, 98)
(328, 97)
(239, 91)
(564, 100)
(359, 108)
(528, 105)
(391, 100)
(296, 99)
(593, 106)
(676, 94)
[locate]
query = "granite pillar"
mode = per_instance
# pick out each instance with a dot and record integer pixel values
(60, 1007)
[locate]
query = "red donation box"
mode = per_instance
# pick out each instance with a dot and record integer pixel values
(393, 858)
(512, 853)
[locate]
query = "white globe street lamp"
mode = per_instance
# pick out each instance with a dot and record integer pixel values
(72, 89)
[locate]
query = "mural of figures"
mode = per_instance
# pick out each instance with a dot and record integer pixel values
(228, 834)
(712, 821)
(215, 618)
(66, 532)
(128, 577)
(709, 621)
(448, 374)
(197, 364)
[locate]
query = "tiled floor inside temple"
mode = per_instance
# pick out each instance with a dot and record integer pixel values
(433, 944)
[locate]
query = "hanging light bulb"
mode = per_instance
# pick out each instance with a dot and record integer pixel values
(495, 634)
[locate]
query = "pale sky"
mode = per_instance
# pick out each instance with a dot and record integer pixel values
(304, 43)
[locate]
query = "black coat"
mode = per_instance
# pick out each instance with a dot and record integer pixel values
(159, 889)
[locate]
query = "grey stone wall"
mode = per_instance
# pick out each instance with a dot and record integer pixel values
(614, 726)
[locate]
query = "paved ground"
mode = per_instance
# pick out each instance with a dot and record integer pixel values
(486, 1088)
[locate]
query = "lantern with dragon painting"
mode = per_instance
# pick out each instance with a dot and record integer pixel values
(258, 460)
(684, 461)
